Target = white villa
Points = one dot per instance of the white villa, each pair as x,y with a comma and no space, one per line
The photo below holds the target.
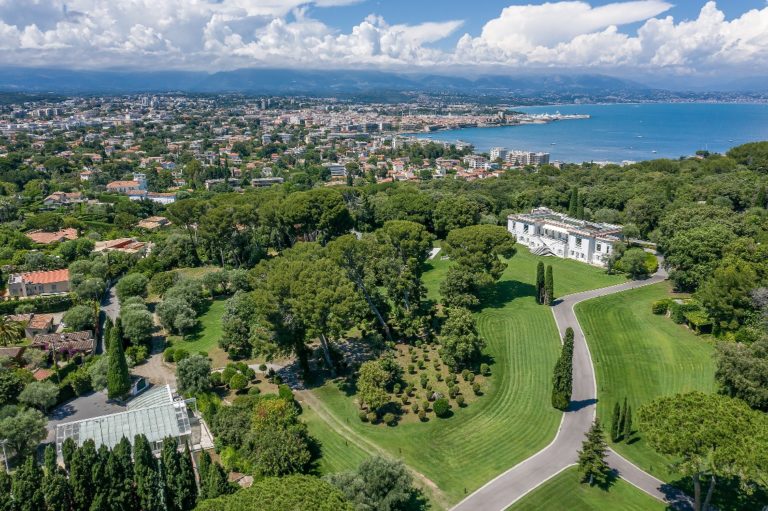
547,232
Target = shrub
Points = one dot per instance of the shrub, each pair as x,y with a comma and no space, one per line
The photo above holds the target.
441,407
238,382
422,415
425,404
423,380
262,367
460,400
436,365
285,392
485,369
404,399
137,354
362,415
390,418
227,374
464,374
470,377
372,417
660,306
677,313
421,364
396,388
414,357
180,354
439,377
415,407
476,388
169,354
454,391
408,390
216,379
254,391
411,369
250,374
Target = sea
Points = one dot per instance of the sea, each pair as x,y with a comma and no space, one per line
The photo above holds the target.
624,132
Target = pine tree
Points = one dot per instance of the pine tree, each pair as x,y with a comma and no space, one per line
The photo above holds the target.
562,380
217,484
203,466
540,283
118,382
549,287
146,475
592,463
615,422
26,488
628,423
573,203
623,420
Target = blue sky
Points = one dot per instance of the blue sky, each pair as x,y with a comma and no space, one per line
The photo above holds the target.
688,39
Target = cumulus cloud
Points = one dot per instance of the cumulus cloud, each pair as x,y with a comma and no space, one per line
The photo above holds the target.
225,34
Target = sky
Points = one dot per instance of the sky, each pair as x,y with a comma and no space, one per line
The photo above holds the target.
693,39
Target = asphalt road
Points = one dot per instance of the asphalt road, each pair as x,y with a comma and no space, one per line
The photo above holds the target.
512,485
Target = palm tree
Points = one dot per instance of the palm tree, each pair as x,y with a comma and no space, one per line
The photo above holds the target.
10,331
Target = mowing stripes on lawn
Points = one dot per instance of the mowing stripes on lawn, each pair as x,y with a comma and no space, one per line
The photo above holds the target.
641,356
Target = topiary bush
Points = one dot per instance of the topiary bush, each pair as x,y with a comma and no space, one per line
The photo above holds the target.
390,419
168,354
216,379
179,355
415,407
441,407
470,377
485,369
660,306
476,388
396,388
372,417
422,415
423,380
411,369
362,416
460,400
254,391
465,374
238,382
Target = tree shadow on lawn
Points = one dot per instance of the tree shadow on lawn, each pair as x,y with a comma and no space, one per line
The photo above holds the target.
500,294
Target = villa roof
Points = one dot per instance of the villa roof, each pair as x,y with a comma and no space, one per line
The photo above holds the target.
45,277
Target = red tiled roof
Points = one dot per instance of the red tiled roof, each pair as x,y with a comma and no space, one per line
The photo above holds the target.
46,277
45,238
123,184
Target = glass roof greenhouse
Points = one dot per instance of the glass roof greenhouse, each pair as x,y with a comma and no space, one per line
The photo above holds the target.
155,414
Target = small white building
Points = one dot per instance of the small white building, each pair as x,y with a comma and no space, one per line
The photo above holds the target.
547,232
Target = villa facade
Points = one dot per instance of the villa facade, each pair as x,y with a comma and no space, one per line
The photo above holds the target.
547,232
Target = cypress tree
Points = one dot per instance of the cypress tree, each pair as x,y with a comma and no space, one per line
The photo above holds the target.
68,449
628,423
562,380
203,466
146,475
107,332
186,485
623,420
217,484
615,422
119,470
540,283
118,382
101,479
6,482
82,461
580,208
169,467
762,198
549,287
26,488
573,203
592,463
57,491
49,460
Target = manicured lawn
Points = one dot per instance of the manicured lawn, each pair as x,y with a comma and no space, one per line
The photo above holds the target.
565,492
336,453
207,335
514,419
640,356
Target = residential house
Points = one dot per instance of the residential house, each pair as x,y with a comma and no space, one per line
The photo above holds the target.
153,223
46,238
65,343
58,199
125,245
38,283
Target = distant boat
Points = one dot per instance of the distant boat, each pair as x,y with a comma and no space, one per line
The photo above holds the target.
553,143
654,151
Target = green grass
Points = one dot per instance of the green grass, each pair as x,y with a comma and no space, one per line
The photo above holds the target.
565,492
641,356
514,419
336,453
206,336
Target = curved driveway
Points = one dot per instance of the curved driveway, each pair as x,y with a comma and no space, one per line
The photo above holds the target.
561,453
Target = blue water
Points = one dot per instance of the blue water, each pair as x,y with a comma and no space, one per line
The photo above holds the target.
625,132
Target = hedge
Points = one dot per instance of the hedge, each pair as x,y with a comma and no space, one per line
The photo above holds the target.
660,306
57,303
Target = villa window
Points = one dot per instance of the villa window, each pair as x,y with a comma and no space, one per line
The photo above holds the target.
525,228
599,247
578,242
